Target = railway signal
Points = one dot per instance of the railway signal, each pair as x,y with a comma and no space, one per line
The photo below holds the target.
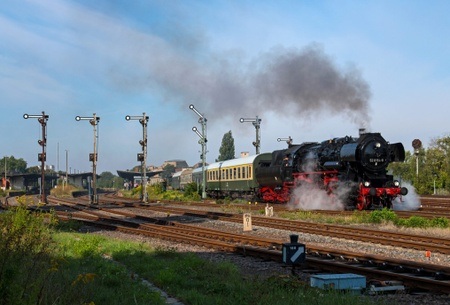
42,118
203,139
142,157
93,157
294,253
257,123
417,145
288,140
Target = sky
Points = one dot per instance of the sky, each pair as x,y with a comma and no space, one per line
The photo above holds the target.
311,70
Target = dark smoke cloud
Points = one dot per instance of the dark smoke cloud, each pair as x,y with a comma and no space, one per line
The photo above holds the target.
296,82
306,82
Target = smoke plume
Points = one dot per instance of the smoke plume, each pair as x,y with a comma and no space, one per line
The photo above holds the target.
288,82
308,82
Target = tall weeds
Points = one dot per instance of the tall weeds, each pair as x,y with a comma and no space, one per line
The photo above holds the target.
25,250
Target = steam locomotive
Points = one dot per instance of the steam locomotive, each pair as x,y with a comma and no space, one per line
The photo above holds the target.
350,172
353,171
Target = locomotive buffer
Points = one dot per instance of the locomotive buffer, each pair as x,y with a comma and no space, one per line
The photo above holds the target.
294,252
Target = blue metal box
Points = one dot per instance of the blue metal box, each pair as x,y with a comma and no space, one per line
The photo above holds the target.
348,281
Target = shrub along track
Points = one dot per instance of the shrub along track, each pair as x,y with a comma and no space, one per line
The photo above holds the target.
412,274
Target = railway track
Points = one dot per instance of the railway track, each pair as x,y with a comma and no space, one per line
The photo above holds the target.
413,241
431,207
413,274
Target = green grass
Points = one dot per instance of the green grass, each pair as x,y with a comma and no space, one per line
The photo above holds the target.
39,265
196,281
49,263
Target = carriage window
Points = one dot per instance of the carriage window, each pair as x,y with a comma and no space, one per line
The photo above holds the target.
244,172
234,173
239,173
250,172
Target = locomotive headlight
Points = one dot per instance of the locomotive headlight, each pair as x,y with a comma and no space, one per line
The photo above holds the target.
396,183
366,183
377,145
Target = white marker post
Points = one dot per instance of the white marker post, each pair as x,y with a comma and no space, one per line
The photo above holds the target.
269,211
247,221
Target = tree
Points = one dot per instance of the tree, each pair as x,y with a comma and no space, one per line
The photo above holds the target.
429,170
226,150
13,165
33,170
106,180
168,170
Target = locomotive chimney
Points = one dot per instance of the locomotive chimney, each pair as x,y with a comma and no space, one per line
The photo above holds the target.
362,131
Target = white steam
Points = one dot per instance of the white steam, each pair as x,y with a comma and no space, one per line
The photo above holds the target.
410,202
309,196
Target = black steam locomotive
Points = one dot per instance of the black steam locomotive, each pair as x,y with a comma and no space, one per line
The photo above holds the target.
353,171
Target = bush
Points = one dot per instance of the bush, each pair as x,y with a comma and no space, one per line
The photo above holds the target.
440,222
25,250
383,215
65,191
417,222
190,191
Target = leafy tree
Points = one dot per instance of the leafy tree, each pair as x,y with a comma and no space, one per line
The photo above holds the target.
13,165
33,170
429,169
106,180
227,151
168,170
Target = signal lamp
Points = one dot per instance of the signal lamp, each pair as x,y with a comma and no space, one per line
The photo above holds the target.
92,156
42,157
140,157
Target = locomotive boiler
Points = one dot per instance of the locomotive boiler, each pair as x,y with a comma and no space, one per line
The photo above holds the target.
356,165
